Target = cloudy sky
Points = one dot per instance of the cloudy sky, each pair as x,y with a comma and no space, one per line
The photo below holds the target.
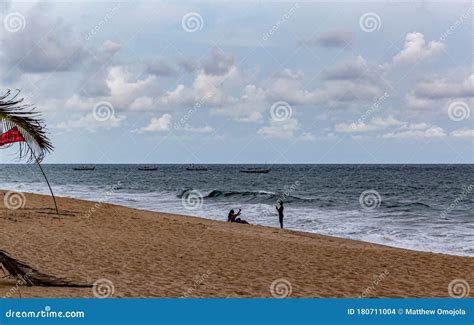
245,81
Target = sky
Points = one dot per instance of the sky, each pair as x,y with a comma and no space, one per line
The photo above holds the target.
245,81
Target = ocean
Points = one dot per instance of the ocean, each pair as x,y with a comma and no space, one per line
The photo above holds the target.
420,207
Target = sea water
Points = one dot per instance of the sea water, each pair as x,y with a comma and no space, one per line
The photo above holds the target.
421,207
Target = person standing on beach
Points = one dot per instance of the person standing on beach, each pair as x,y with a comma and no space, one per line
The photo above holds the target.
280,213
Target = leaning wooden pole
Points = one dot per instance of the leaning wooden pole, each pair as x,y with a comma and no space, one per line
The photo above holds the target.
46,178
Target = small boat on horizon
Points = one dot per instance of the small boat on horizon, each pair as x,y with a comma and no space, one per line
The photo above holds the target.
192,167
256,170
84,168
147,168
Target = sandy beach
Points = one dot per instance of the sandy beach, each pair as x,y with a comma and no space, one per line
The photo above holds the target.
149,254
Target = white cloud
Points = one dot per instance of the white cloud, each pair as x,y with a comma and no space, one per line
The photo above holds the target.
330,39
218,63
124,88
290,74
205,89
441,88
415,102
160,68
280,129
90,123
143,103
293,92
416,49
463,133
204,129
126,94
96,70
420,130
307,136
248,108
427,94
351,70
251,118
377,123
400,129
46,44
162,123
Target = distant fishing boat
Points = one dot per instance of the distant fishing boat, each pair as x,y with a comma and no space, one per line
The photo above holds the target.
84,168
256,170
196,168
148,169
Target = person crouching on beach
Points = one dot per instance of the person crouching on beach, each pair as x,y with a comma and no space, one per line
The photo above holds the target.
232,215
280,212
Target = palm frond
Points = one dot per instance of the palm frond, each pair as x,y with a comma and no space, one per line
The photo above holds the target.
32,277
13,113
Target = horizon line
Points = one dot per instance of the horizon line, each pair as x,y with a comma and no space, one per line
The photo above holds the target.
247,163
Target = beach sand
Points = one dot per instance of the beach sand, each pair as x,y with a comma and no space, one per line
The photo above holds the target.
149,254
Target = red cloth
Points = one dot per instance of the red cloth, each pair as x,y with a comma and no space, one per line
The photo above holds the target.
12,135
